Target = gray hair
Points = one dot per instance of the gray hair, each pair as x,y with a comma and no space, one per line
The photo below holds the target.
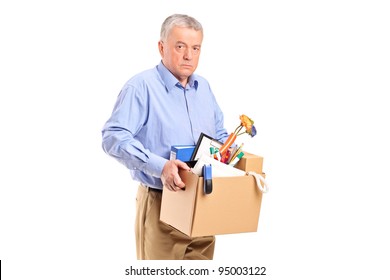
181,21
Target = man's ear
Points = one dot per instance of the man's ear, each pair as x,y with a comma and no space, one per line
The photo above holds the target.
161,47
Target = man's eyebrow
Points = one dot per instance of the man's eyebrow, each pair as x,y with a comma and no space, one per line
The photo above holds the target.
181,42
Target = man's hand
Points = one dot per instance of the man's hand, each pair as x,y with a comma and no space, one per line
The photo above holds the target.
170,175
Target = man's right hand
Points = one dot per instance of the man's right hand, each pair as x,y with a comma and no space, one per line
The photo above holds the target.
170,175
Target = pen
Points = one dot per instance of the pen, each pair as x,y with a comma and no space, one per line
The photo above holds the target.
232,153
238,151
236,159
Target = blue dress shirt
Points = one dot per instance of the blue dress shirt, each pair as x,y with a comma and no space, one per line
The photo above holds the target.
153,112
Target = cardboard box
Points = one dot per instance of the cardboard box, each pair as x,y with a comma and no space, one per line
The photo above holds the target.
232,207
250,162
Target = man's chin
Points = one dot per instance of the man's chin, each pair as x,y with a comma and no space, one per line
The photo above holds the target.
187,71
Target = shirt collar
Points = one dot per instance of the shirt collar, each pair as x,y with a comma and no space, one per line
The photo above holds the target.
170,81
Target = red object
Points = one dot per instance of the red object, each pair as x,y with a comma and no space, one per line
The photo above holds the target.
226,157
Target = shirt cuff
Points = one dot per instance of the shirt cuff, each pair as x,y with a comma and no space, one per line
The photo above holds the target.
155,165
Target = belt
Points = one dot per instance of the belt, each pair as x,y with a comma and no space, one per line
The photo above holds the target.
151,189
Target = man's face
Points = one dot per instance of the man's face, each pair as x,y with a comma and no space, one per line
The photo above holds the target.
180,52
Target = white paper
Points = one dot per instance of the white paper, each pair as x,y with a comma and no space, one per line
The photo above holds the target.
219,169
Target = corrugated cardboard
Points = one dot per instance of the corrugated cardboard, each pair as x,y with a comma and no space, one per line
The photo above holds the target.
250,162
232,207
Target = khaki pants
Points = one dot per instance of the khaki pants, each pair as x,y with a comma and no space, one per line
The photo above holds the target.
158,241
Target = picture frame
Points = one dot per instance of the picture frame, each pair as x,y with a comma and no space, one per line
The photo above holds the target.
203,146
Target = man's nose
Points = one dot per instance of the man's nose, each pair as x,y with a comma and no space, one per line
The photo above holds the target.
188,54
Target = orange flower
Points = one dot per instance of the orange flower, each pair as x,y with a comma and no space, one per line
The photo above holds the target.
247,123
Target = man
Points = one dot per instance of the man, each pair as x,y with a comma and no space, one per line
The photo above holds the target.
164,106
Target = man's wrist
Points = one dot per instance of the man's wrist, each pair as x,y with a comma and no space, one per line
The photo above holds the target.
155,165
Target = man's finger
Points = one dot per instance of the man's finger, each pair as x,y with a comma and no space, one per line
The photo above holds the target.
178,182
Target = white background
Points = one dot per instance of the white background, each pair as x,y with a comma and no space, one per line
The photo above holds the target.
313,75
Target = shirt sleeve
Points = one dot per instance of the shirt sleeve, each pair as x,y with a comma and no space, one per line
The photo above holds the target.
220,130
119,134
